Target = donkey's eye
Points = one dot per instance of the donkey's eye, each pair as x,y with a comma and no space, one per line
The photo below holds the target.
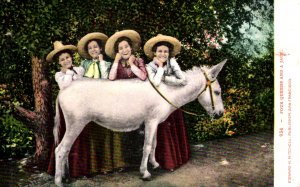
217,92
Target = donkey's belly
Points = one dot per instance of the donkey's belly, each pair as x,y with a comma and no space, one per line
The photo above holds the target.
122,125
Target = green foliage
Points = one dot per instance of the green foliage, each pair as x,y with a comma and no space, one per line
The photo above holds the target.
255,34
15,139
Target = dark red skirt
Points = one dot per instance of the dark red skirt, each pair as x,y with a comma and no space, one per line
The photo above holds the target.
173,149
78,156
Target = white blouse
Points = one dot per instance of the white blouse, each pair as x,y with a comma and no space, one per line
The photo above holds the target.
65,79
171,73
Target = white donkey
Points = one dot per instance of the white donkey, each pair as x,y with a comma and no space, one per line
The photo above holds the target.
123,105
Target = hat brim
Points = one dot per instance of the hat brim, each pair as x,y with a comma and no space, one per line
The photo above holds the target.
91,36
162,38
131,34
50,56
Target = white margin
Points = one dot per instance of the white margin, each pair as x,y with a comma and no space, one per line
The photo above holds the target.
287,93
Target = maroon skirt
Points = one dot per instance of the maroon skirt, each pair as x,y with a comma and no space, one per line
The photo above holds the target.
78,156
173,149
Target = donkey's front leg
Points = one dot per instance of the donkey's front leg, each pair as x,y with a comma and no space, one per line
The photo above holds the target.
150,131
152,159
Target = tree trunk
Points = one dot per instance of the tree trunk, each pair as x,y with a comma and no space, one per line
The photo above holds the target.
41,119
43,109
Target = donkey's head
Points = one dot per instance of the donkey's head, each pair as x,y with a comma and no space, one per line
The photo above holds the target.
210,97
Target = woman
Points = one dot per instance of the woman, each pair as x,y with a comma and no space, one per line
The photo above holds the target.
105,150
91,47
79,154
120,47
172,149
63,54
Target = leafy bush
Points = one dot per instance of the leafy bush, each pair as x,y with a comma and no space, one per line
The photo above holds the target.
15,139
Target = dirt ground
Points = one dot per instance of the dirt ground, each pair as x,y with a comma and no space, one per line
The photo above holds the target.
239,161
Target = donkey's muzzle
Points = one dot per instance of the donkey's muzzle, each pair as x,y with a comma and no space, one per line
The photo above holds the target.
218,115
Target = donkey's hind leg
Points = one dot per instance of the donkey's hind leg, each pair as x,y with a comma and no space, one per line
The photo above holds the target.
150,130
63,149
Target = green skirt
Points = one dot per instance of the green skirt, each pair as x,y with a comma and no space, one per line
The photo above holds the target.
106,150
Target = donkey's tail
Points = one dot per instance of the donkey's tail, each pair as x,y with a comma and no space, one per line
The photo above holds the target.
56,123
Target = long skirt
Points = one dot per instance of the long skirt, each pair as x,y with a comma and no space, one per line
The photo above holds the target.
173,149
95,150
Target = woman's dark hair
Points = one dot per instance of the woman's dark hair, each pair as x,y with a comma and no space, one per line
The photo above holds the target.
169,45
56,56
121,39
99,42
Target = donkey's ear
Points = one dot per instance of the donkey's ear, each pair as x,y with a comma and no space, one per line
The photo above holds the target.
215,70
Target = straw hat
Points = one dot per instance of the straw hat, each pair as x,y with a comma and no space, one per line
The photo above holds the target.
162,38
131,34
58,47
83,41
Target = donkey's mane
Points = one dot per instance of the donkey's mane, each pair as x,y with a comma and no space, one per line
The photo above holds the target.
194,72
196,69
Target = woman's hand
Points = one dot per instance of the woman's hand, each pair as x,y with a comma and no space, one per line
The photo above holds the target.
158,62
117,58
63,69
131,60
100,57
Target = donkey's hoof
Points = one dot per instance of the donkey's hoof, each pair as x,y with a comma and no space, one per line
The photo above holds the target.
156,167
146,178
58,182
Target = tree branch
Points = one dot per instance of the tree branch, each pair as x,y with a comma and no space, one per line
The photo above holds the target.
26,116
26,113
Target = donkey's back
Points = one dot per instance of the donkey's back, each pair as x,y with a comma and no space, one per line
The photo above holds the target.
120,105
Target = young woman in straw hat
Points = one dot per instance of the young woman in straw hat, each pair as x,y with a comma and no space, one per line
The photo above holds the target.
91,48
105,145
120,47
79,154
173,148
63,55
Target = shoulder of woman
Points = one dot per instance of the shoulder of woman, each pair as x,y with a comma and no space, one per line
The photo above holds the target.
85,61
58,74
107,63
78,68
173,61
152,65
